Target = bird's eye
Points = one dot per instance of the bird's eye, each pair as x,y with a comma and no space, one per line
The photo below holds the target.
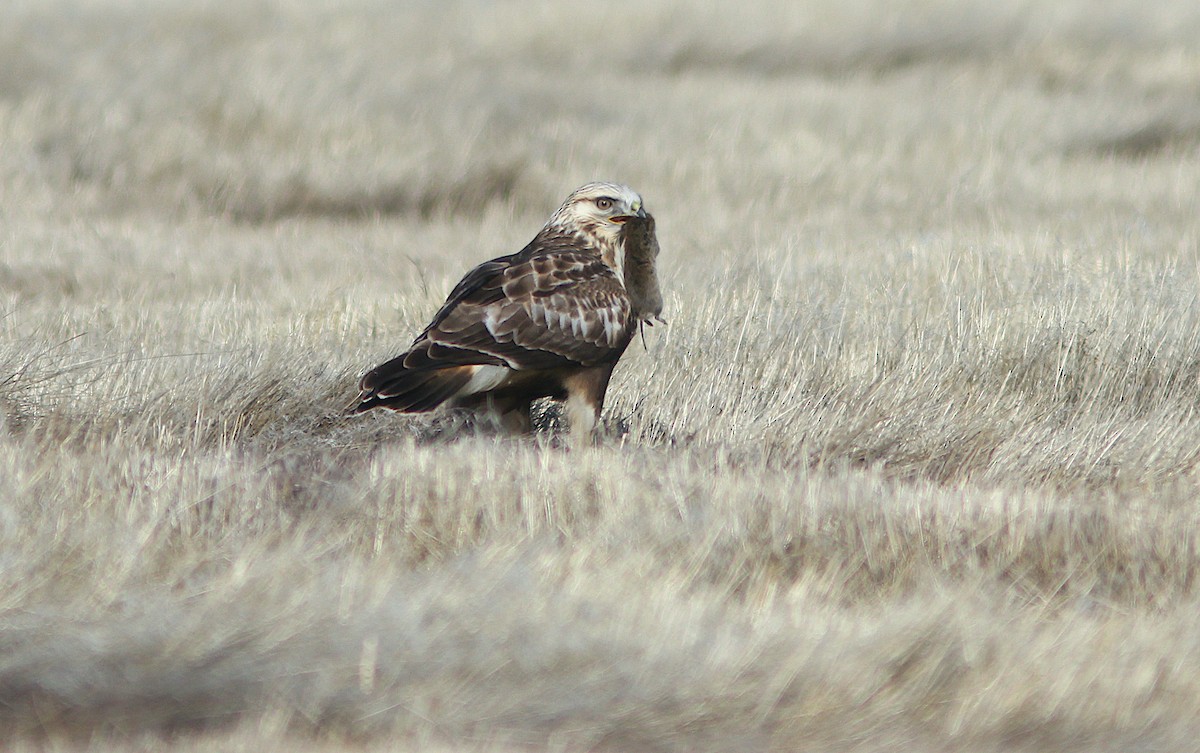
604,204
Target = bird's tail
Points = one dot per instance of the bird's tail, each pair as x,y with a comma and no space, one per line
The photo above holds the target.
394,386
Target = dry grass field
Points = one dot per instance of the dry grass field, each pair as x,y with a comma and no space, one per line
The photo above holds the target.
915,466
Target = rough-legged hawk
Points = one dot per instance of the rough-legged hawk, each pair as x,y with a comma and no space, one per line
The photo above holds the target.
549,321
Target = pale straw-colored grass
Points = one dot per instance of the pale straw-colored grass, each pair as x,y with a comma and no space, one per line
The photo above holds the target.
913,466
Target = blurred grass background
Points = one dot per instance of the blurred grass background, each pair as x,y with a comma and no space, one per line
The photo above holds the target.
912,467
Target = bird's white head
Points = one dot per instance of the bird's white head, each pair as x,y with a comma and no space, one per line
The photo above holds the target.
598,210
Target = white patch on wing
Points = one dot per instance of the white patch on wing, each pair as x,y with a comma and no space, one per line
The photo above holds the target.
606,319
491,319
484,378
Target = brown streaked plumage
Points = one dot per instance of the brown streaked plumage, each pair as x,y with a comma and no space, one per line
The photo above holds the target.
549,321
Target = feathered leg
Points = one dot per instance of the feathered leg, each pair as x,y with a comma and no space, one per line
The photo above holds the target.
585,401
508,414
513,416
517,420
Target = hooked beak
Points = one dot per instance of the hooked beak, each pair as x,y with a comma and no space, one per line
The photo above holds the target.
621,219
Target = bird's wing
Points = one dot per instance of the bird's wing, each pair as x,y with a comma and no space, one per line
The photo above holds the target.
546,311
528,311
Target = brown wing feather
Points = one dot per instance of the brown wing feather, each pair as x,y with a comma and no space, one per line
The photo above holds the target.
549,311
410,390
548,307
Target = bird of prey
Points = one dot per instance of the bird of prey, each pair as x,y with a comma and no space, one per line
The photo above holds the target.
550,321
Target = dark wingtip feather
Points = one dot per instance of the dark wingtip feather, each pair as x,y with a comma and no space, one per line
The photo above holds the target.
408,390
